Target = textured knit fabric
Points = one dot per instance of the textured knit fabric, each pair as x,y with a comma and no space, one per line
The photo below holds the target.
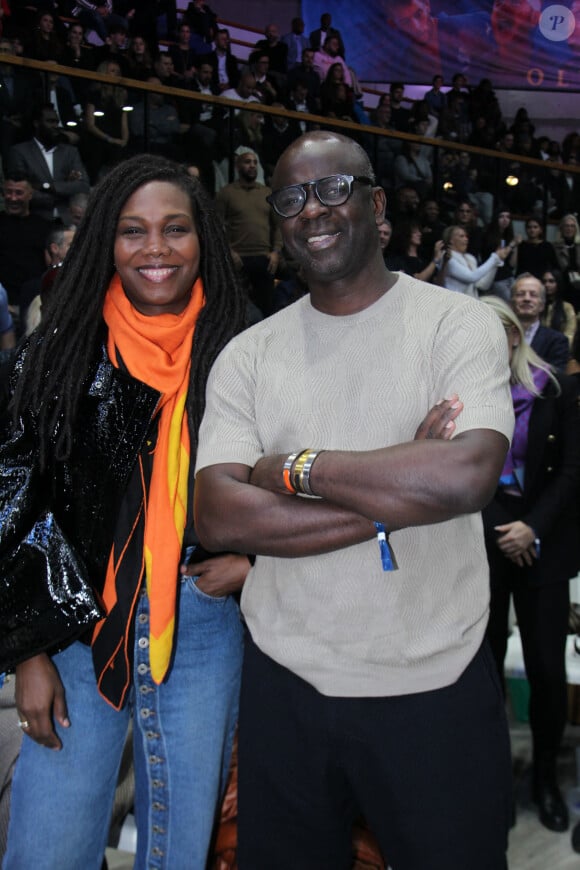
306,379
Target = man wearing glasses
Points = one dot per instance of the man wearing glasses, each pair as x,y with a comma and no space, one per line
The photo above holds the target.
366,686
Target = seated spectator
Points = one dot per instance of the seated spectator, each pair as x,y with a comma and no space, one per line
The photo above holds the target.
245,91
7,334
383,150
327,56
567,248
465,217
460,272
100,18
106,128
385,229
115,48
500,233
564,189
266,87
22,237
404,254
183,55
278,132
454,120
250,133
165,71
300,100
62,98
57,244
54,169
412,169
529,301
405,204
431,226
205,118
558,314
276,50
522,124
77,206
19,91
336,97
45,44
484,103
224,64
319,36
78,54
139,58
534,253
158,125
296,42
305,72
202,20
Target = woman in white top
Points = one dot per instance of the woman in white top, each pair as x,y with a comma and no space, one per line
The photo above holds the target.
461,272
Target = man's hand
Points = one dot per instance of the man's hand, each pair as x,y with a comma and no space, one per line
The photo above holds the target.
517,542
221,575
39,698
440,420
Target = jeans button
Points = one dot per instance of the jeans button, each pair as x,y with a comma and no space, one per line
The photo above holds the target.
142,669
143,642
145,713
143,618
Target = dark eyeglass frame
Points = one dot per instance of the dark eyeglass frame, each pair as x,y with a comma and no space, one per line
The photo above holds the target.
304,187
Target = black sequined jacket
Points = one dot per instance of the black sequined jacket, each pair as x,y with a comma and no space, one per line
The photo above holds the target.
56,527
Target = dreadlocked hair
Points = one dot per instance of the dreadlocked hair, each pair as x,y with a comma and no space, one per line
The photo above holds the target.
62,354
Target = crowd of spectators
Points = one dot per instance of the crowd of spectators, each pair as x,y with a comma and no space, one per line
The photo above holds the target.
433,194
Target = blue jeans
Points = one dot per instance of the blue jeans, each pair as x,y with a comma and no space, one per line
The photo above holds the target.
183,731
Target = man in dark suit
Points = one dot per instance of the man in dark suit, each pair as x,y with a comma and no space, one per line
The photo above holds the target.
225,66
528,302
55,170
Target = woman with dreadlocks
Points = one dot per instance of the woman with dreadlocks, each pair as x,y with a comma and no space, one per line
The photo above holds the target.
96,510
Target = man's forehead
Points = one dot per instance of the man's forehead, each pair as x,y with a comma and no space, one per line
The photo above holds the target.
315,158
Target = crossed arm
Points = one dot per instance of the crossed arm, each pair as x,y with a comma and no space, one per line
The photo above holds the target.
428,480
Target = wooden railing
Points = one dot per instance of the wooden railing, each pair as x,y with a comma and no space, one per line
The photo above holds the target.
346,127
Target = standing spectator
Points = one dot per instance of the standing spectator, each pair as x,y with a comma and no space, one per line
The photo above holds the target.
159,126
183,56
202,20
567,248
266,87
296,42
45,44
558,314
404,253
55,169
400,116
318,37
252,230
306,71
466,218
329,55
534,253
528,302
431,226
276,50
225,67
77,54
436,99
533,548
336,97
19,90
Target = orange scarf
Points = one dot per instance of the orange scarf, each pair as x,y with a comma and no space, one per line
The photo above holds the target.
157,351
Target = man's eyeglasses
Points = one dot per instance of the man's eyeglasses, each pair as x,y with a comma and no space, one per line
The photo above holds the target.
333,190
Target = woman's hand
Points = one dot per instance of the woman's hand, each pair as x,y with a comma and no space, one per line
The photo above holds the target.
40,698
439,421
220,575
504,253
517,541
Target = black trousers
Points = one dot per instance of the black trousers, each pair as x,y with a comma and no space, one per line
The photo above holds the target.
430,772
261,283
542,616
